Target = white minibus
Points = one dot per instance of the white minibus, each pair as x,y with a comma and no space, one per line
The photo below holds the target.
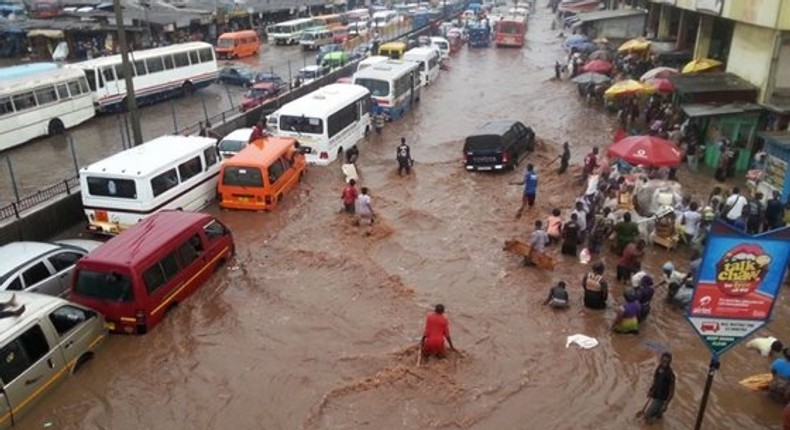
290,32
42,103
158,73
315,37
374,59
394,86
326,122
169,172
383,19
428,58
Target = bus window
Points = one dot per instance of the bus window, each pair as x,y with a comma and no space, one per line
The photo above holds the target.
193,56
46,95
24,101
181,59
5,106
206,55
211,157
74,88
91,76
63,91
154,65
139,68
190,168
163,182
119,72
168,62
108,74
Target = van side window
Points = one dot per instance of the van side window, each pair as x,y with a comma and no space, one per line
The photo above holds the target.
64,260
211,156
164,181
153,278
36,274
286,163
170,266
65,318
276,170
22,353
214,230
190,168
190,250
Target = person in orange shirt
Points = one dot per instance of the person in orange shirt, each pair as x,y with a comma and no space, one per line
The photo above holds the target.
437,328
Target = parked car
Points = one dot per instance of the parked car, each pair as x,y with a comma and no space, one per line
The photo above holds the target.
234,142
244,76
41,267
498,145
310,73
271,77
360,52
334,47
259,94
44,339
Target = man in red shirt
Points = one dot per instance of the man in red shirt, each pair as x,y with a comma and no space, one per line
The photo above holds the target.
349,196
590,163
437,328
630,260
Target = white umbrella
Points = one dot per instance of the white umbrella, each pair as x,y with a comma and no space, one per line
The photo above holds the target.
659,72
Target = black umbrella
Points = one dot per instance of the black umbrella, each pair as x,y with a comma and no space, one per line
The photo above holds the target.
601,54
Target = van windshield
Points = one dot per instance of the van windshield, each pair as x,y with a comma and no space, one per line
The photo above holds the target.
232,145
377,87
238,176
482,143
225,43
109,286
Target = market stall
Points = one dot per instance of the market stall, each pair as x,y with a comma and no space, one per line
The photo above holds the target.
775,175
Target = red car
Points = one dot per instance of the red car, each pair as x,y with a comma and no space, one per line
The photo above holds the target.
259,94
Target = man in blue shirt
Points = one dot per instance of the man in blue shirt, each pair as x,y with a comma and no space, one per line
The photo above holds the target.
530,183
781,366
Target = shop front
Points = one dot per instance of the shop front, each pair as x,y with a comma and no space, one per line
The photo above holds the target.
738,123
775,175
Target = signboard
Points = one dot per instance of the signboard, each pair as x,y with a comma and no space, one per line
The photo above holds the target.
737,284
710,6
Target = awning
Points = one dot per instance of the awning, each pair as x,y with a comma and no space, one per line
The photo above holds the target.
695,110
52,34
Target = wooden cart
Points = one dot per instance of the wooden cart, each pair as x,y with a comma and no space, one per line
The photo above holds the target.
541,260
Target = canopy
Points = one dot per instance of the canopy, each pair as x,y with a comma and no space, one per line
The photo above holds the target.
598,66
646,151
659,72
595,78
661,85
628,87
701,65
638,44
576,40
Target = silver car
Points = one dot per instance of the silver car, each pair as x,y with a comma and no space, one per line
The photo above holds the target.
41,267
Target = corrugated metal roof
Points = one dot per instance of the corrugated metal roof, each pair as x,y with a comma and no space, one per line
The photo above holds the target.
610,14
710,82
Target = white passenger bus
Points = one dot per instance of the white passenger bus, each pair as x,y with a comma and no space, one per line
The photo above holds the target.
326,122
394,86
428,59
290,32
159,73
373,59
42,103
383,19
169,172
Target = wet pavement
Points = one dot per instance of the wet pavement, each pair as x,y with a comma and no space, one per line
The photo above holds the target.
315,326
45,161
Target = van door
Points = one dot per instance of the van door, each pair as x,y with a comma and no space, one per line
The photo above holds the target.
77,329
30,365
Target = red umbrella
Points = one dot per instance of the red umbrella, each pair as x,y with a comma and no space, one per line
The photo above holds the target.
662,85
646,151
598,66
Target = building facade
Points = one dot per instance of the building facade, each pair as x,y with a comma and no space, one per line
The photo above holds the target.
751,37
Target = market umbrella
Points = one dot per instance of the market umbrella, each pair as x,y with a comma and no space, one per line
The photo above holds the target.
659,72
601,54
628,86
595,78
646,150
701,65
576,39
661,85
598,66
638,44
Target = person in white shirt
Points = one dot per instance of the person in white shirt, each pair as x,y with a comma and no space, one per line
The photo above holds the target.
363,208
691,220
766,345
733,207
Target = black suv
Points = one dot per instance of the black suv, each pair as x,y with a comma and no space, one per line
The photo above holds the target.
498,145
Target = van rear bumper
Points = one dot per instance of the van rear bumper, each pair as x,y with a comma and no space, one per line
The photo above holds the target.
472,167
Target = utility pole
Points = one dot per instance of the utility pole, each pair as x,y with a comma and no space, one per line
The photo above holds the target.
131,101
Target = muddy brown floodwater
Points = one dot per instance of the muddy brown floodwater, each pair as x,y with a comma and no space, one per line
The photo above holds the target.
315,326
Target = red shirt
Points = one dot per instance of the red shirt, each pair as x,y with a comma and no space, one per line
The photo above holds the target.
590,161
631,256
349,194
436,329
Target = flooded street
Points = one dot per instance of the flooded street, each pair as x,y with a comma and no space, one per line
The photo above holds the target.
315,326
43,162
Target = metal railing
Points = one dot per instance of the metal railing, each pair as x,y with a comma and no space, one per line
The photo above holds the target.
15,209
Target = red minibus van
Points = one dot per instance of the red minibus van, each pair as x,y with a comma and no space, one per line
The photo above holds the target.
139,275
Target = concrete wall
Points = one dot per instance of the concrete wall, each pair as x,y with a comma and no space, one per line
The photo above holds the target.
46,222
750,54
783,20
757,12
